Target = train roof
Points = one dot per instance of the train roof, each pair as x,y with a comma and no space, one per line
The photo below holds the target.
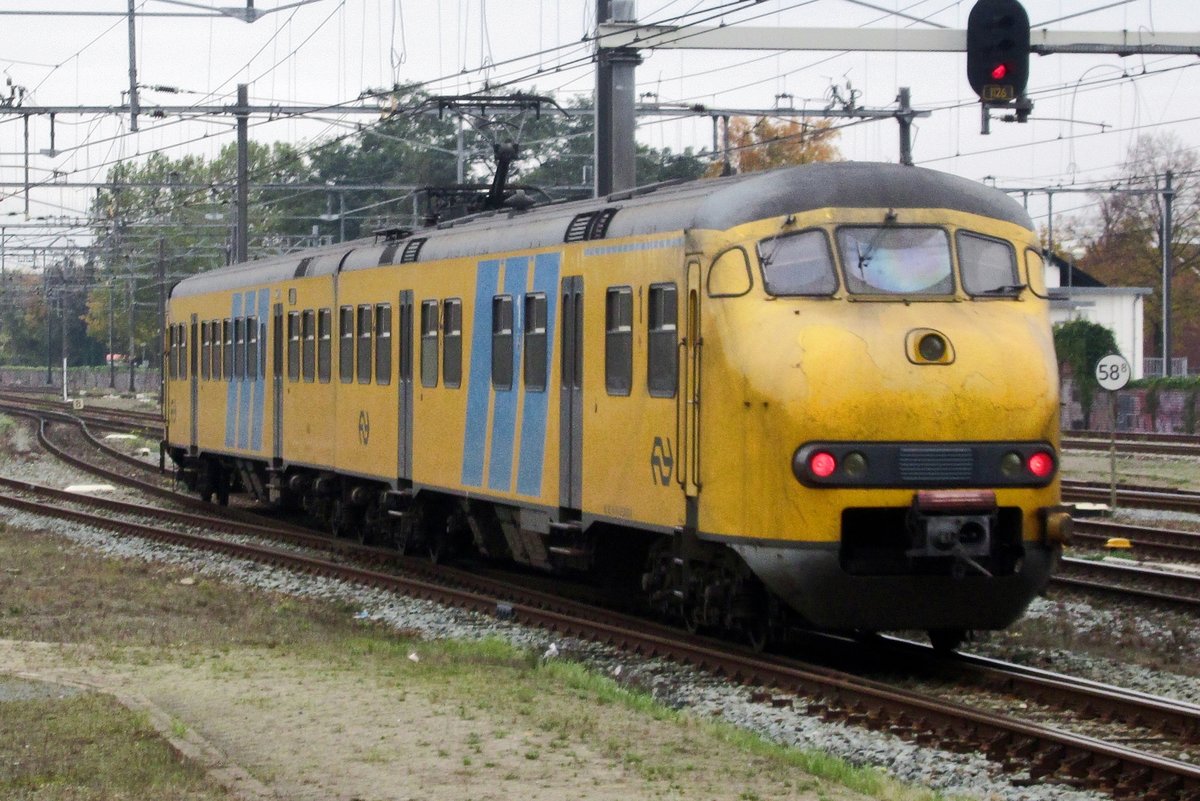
715,204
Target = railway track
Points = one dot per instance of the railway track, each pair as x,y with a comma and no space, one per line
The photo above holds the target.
1041,751
1138,497
1127,442
1130,580
147,421
1155,543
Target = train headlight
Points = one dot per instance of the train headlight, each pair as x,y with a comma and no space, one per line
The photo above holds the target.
854,465
1040,464
932,347
1011,465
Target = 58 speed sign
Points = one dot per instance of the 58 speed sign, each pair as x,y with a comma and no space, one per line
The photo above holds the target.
1112,372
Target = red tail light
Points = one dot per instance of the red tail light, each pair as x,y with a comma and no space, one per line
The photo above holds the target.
822,464
1041,464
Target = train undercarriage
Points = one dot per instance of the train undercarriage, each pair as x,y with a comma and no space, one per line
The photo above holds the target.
703,585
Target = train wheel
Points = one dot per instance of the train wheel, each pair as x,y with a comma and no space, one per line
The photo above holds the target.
947,640
758,634
338,521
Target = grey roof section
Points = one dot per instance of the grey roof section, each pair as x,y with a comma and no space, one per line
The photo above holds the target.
715,204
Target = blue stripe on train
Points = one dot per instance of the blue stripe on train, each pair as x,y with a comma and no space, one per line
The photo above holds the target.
231,397
245,388
533,413
504,409
260,383
487,277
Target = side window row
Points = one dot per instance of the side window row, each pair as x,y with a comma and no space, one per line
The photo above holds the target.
230,349
662,360
364,344
234,348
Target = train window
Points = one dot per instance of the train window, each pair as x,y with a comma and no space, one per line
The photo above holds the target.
215,327
896,260
452,343
227,351
988,266
346,344
239,352
261,327
252,348
205,350
293,346
535,342
429,343
502,342
729,275
171,362
277,342
618,340
308,345
794,265
324,344
364,345
663,359
183,362
383,344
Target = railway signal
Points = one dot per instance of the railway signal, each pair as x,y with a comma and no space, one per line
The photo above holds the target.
998,56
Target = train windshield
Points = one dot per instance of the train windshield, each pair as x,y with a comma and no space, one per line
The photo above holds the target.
797,264
989,266
895,260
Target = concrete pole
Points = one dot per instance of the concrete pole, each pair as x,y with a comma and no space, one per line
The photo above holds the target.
133,84
905,118
131,342
1167,233
243,173
615,94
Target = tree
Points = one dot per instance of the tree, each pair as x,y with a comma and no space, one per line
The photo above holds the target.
1079,345
1124,244
762,144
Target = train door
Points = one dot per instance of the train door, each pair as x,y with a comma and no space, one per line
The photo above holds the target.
570,471
277,381
688,398
193,355
405,417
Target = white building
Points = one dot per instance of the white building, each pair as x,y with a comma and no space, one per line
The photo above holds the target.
1075,295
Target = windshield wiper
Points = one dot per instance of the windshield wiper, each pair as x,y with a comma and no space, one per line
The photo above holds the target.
1003,290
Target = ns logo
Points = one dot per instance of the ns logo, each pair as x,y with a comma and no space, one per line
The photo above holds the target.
662,461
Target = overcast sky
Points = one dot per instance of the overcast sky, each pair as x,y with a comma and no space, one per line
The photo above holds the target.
329,51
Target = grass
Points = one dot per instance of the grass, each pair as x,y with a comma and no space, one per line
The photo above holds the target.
90,747
504,711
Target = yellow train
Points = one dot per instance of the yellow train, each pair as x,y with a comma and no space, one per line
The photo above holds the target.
825,394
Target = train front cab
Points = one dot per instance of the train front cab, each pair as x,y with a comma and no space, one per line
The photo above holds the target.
928,516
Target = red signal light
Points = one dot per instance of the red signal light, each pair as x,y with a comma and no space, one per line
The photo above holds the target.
822,464
999,71
1041,464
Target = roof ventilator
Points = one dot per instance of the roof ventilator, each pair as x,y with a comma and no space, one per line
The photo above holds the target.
412,250
589,225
